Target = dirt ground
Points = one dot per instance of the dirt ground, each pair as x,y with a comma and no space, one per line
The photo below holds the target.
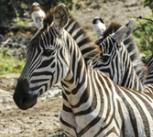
40,121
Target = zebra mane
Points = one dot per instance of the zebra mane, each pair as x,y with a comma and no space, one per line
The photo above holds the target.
88,47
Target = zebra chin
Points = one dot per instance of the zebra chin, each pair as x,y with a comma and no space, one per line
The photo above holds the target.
23,97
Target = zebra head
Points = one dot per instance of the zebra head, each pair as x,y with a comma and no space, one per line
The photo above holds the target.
112,47
115,40
46,56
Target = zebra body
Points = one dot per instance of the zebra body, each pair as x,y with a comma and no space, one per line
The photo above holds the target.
93,106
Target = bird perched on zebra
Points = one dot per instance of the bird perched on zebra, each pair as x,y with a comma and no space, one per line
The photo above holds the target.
99,26
37,15
92,104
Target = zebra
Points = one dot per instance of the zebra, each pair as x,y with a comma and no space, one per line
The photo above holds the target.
99,27
149,63
140,68
116,57
88,49
122,64
93,106
144,71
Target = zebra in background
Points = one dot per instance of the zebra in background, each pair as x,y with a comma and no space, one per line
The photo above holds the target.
89,51
116,57
122,64
149,63
140,68
93,106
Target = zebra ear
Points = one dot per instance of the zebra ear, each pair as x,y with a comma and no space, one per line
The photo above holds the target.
60,16
123,32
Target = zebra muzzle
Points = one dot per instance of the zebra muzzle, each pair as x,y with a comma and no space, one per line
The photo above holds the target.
23,98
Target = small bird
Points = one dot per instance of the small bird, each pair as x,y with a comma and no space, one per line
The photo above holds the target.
37,15
99,26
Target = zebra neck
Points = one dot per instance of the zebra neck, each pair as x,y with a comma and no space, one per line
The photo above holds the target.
82,94
87,104
129,72
76,82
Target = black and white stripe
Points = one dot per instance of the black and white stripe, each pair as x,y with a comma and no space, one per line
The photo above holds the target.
93,106
122,74
139,66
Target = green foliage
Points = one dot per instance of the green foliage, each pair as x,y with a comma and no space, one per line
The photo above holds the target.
9,64
20,22
149,3
144,36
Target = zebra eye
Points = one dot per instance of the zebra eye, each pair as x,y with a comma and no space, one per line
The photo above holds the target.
105,58
48,51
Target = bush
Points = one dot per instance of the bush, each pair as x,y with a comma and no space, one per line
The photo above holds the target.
9,64
144,36
149,3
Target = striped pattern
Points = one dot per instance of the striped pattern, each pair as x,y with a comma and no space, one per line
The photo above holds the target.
149,78
92,104
88,48
117,64
139,66
128,78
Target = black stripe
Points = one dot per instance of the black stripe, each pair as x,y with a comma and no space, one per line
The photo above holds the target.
92,123
83,99
67,109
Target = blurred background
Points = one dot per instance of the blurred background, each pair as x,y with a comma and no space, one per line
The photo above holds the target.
16,30
16,26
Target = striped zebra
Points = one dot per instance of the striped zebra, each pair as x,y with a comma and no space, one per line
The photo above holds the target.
93,106
121,63
116,57
140,68
86,46
88,49
149,63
